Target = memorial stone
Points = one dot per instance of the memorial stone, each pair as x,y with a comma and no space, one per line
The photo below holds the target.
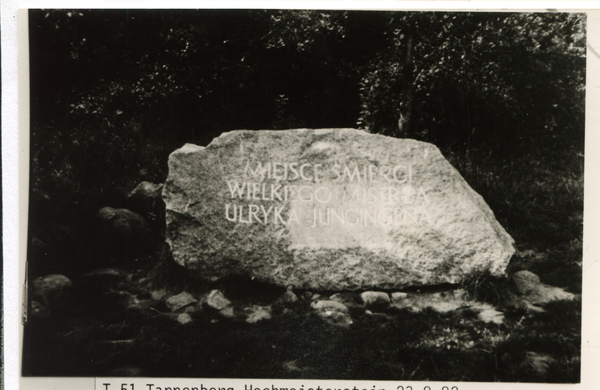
329,209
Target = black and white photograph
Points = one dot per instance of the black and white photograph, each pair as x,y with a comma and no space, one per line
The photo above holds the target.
355,195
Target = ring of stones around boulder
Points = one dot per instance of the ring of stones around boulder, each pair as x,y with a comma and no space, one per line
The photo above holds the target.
123,235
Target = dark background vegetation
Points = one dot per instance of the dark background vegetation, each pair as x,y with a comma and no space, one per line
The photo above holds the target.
114,92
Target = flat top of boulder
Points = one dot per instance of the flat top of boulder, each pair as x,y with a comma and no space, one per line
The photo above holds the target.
328,209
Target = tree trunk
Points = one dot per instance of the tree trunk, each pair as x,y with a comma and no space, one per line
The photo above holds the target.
406,99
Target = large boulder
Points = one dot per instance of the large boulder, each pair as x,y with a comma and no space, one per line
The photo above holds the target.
331,209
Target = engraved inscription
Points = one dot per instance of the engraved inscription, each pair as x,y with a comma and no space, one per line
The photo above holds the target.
285,193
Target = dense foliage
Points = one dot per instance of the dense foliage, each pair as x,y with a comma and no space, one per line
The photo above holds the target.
113,92
476,78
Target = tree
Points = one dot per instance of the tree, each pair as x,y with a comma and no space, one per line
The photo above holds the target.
478,77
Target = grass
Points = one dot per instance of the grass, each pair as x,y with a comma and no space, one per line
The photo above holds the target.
394,345
536,194
485,287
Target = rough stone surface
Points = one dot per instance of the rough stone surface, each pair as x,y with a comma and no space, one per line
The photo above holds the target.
533,290
333,312
330,209
51,290
525,281
257,313
373,299
217,300
184,318
179,301
287,298
228,312
398,296
158,294
491,315
330,306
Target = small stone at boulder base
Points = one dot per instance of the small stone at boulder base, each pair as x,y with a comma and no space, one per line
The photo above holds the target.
330,305
257,313
333,312
122,233
533,290
398,296
375,299
158,294
525,281
227,312
336,318
184,318
307,295
217,300
287,298
491,315
348,299
179,301
328,209
51,290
